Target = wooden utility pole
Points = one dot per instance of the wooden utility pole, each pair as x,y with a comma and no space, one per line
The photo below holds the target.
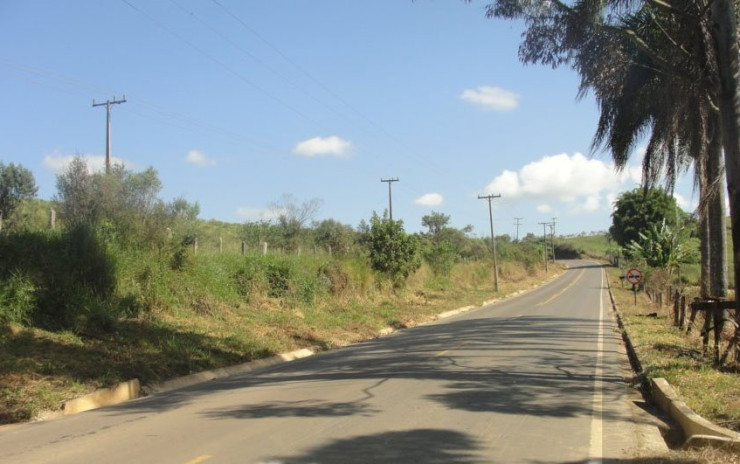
493,238
552,237
544,240
107,105
517,224
390,197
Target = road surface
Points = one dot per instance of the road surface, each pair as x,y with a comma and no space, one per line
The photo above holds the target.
536,378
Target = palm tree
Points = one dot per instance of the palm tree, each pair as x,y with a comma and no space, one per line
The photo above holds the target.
676,109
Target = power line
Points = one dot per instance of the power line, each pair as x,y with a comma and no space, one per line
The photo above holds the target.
544,240
493,238
517,224
107,105
390,197
223,65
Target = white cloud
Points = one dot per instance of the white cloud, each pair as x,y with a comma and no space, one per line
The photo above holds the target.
576,180
324,146
429,199
57,162
198,158
684,203
492,98
589,205
544,208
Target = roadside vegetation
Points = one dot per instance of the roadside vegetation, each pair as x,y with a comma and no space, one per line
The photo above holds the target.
129,286
664,349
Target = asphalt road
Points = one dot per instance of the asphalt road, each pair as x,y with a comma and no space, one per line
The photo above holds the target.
536,378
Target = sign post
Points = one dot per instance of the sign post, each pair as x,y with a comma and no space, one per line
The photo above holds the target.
634,276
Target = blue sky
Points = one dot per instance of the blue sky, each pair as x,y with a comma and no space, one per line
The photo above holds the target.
236,103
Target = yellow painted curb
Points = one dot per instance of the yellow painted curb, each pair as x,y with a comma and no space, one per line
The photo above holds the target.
106,397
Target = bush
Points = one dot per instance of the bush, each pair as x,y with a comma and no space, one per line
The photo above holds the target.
392,251
71,276
17,299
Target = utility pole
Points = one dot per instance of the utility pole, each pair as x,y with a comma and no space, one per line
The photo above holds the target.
544,240
107,105
493,238
552,237
390,196
517,224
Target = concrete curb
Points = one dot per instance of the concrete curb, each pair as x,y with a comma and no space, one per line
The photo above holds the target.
132,389
698,431
104,397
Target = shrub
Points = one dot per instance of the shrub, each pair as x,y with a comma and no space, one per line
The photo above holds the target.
17,298
392,251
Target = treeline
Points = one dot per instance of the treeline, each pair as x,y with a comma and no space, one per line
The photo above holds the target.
117,250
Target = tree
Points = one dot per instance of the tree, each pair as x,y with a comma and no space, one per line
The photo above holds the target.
392,251
677,110
123,203
557,33
334,236
638,210
292,217
16,184
435,222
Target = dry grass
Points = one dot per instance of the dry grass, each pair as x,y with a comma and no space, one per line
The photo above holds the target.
665,351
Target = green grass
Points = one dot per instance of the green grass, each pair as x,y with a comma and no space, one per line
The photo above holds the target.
595,246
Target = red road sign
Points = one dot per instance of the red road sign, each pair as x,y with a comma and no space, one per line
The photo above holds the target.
634,276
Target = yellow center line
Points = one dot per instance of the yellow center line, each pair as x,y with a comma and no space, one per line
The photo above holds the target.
563,290
444,352
200,459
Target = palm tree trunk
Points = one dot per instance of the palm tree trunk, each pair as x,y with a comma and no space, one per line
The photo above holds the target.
716,222
724,30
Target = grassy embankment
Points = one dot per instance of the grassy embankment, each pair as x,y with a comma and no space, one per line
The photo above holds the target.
213,310
665,351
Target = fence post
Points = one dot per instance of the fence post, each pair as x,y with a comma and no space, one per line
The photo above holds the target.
52,218
264,248
682,316
244,247
195,245
220,244
676,302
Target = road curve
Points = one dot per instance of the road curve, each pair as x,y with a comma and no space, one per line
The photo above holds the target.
535,378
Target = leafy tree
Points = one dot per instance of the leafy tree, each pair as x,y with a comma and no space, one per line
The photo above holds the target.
335,236
123,203
637,210
392,251
435,222
16,184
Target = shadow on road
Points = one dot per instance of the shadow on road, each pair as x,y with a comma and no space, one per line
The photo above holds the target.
505,366
430,446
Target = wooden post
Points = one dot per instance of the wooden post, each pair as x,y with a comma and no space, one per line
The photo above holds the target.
195,245
220,244
244,247
676,302
52,219
264,248
682,315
